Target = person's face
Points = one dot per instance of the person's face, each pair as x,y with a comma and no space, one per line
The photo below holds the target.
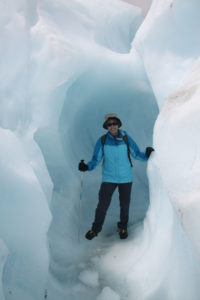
112,126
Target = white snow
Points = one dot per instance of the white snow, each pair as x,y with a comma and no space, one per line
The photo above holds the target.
89,278
64,65
107,294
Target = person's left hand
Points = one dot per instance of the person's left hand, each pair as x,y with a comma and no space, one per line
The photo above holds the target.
82,166
148,151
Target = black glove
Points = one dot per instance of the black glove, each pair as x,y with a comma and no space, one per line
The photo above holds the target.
82,166
148,151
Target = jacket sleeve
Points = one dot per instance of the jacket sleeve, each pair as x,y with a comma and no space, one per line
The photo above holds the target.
97,156
135,151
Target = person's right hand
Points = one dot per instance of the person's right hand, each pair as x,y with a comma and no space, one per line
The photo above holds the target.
148,151
82,166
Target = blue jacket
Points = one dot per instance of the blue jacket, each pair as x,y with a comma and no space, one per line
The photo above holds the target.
116,165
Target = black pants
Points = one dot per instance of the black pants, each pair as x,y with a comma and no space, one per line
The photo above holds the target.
105,194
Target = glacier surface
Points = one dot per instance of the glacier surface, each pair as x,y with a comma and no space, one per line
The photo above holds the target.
64,65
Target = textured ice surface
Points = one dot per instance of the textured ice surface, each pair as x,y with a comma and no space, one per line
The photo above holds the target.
65,65
25,219
89,278
107,294
166,36
180,115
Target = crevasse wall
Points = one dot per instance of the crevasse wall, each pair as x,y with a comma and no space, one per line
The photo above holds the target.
180,115
175,131
25,185
66,65
102,79
175,84
47,48
87,93
166,36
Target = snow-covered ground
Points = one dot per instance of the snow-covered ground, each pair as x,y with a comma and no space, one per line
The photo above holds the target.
64,65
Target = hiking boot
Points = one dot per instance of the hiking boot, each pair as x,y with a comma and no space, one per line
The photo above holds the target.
90,234
123,233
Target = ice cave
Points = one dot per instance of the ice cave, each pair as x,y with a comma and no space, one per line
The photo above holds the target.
64,65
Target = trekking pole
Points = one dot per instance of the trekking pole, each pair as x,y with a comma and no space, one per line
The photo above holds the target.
80,205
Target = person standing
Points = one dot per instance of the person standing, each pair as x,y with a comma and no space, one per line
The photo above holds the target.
115,148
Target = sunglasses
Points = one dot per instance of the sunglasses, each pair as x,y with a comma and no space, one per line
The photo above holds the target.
113,123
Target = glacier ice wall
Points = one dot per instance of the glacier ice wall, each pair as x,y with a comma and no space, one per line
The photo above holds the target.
65,65
176,77
25,217
166,35
50,49
180,115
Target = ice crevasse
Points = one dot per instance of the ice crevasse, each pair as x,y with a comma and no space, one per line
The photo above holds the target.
64,65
